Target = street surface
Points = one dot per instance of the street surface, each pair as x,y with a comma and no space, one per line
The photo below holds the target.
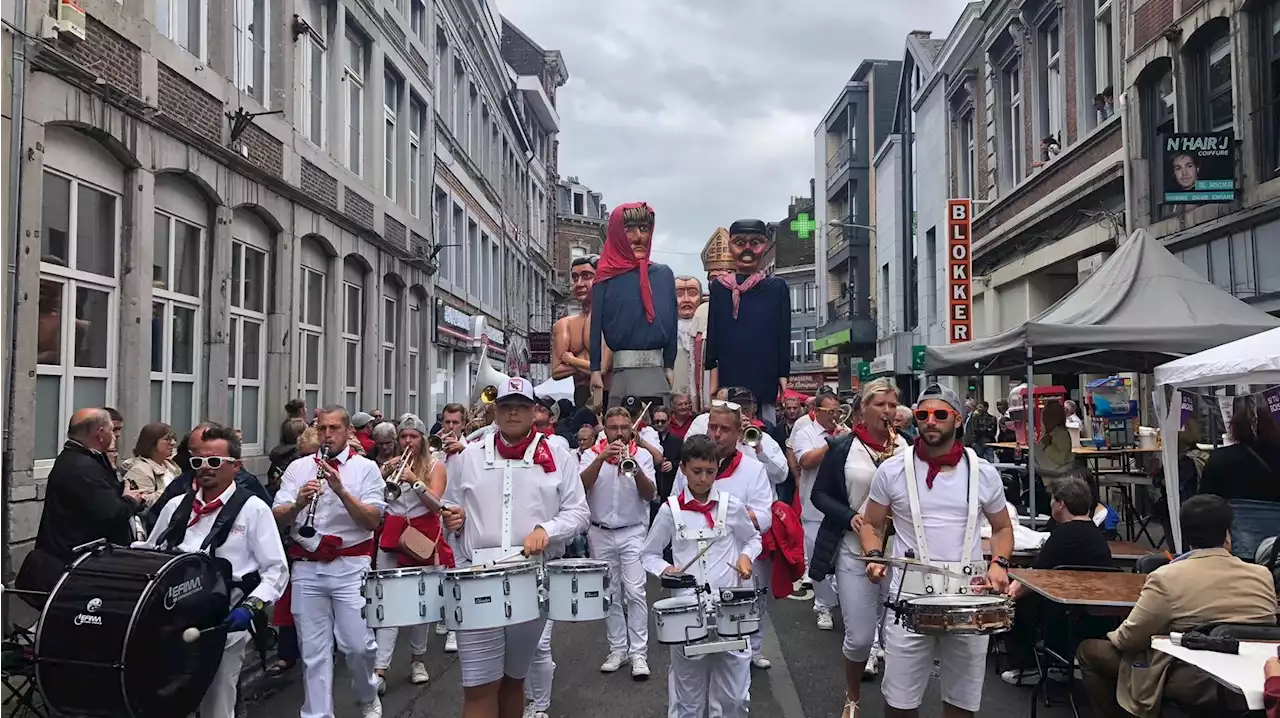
805,681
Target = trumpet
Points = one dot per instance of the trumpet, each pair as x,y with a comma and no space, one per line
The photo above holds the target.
308,529
394,490
628,467
751,436
435,443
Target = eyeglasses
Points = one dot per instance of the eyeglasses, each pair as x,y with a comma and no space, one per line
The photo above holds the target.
213,462
730,405
937,414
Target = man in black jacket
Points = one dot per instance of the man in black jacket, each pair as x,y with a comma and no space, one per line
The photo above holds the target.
666,470
183,482
84,502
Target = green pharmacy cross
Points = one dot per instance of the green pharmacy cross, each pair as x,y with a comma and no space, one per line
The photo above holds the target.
803,226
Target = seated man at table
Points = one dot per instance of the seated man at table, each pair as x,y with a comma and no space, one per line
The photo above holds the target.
1075,541
1205,585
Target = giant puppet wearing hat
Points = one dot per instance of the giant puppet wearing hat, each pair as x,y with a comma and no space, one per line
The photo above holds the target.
692,378
749,321
633,311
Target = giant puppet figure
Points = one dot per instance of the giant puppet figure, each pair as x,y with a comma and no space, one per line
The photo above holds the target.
692,378
633,311
749,322
571,335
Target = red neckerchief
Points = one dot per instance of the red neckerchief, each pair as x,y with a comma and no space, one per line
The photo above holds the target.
515,452
603,444
199,510
861,431
678,429
951,458
729,465
617,259
730,282
688,504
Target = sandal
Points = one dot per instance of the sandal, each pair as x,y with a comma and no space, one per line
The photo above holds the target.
850,708
279,668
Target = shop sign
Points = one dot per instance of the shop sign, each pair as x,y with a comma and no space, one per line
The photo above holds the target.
453,322
493,337
807,383
882,365
917,357
1199,168
959,270
540,347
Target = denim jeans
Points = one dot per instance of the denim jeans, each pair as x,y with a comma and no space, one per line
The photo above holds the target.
1253,522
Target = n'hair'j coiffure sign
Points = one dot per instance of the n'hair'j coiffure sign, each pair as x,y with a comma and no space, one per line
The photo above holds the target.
1199,168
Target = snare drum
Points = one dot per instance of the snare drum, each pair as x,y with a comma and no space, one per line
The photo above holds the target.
958,615
577,590
679,620
738,612
407,596
497,596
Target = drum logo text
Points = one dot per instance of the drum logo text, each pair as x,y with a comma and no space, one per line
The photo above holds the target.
182,591
83,619
592,594
483,599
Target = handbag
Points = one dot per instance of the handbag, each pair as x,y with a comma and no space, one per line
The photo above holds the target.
417,546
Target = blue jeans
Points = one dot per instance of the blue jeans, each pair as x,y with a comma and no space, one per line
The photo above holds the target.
1253,521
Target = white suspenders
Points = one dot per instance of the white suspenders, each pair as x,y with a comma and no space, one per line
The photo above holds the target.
915,582
704,535
492,461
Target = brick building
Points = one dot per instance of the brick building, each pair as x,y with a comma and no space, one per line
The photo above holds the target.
792,259
581,216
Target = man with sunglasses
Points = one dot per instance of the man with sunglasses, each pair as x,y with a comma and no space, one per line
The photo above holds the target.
749,322
231,523
186,482
938,493
571,335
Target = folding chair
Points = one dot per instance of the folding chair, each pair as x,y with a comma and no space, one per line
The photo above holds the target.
1047,657
22,697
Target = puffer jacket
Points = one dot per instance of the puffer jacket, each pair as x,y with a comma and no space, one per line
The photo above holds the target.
830,496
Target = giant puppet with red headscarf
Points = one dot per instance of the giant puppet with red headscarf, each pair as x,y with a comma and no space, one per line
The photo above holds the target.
633,311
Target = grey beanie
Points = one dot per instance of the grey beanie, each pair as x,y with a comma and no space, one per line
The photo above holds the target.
943,394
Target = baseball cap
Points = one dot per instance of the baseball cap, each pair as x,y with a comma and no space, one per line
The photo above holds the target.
361,419
515,389
740,395
943,394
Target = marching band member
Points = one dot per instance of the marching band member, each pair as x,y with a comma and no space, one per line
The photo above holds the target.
548,508
344,499
840,493
619,517
542,424
740,475
938,493
717,684
768,451
809,442
410,510
231,523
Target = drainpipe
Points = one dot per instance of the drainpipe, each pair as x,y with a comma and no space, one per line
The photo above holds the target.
14,201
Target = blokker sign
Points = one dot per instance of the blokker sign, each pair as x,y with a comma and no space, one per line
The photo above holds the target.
959,270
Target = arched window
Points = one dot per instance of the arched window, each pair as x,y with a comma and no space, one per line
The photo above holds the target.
179,231
1209,58
247,364
390,345
413,339
352,329
313,284
1155,85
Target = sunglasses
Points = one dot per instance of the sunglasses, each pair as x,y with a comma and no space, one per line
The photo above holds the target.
730,405
213,462
937,414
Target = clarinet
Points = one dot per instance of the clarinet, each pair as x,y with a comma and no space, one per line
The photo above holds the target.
308,529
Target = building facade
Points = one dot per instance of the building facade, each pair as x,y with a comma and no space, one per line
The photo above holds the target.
581,217
791,258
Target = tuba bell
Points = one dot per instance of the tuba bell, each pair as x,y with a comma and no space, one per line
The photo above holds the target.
751,436
488,380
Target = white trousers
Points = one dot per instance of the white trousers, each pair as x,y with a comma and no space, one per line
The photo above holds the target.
628,621
762,573
537,686
326,608
908,661
220,700
387,637
824,594
717,685
861,605
489,654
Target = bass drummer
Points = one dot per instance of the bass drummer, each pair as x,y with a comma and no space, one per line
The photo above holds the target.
938,493
547,509
230,523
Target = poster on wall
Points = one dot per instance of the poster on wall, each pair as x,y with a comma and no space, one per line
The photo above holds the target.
1199,168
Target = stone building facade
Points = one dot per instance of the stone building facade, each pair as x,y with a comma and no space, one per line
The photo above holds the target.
581,216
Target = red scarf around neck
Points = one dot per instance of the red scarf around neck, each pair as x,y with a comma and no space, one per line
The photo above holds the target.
688,503
603,444
515,452
617,258
938,463
200,509
730,282
863,433
729,465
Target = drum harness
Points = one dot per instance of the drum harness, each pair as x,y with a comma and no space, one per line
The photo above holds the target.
492,461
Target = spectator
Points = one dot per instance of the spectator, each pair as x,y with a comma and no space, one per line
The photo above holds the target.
905,424
284,454
360,422
386,445
296,409
1054,456
117,430
1247,475
153,467
980,430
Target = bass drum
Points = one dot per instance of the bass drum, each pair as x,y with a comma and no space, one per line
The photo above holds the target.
109,641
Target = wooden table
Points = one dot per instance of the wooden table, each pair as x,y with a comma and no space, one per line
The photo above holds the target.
1126,552
1106,589
1241,673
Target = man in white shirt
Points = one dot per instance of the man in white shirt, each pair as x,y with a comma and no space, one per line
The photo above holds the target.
767,452
619,517
809,444
343,499
246,537
938,493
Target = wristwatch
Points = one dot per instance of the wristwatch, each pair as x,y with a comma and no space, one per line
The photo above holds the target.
1001,561
874,554
255,604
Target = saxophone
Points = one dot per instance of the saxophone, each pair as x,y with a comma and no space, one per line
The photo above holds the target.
890,446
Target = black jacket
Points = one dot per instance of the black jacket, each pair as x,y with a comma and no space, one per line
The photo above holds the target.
671,447
830,496
787,489
182,484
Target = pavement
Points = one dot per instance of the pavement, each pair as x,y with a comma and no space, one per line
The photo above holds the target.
806,679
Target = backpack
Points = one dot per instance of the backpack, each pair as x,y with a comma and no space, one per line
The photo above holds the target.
177,531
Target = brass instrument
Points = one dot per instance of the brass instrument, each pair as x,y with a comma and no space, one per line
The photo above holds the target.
308,529
488,379
435,443
890,446
751,436
628,467
394,489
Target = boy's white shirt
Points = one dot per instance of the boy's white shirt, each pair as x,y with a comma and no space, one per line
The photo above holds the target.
741,539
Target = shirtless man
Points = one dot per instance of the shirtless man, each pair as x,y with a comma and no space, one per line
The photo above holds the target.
571,348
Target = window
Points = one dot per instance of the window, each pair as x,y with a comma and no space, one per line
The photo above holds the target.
77,324
391,103
1269,99
1197,258
186,22
1268,262
353,72
474,259
930,262
809,356
968,175
313,68
486,270
797,299
247,346
415,354
459,102
390,323
441,382
1244,284
1158,110
1218,113
579,203
1013,137
418,20
352,327
459,253
1220,263
811,296
175,321
1053,95
415,157
797,343
443,81
440,223
251,29
311,317
1104,46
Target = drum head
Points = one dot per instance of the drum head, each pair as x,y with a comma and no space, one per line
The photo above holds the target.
675,602
570,565
958,600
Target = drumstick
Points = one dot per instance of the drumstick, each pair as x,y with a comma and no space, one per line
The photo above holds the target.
191,635
512,557
701,553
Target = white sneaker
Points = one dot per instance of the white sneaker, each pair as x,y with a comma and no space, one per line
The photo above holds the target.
613,662
418,673
873,666
382,684
761,662
440,628
531,712
824,620
639,668
451,643
1021,676
371,710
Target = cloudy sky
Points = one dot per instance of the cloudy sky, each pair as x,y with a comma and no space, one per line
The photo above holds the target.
706,108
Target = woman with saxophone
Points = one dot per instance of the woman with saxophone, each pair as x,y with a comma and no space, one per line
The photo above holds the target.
411,534
840,493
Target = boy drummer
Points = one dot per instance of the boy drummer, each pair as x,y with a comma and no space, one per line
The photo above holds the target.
716,684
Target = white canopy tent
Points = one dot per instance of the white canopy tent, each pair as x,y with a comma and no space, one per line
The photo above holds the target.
1251,360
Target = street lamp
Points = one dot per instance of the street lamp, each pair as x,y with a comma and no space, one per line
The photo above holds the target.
837,223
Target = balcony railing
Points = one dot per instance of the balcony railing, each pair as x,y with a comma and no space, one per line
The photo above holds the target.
840,160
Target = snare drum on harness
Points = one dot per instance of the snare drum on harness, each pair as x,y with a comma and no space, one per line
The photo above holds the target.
577,590
407,596
957,615
492,596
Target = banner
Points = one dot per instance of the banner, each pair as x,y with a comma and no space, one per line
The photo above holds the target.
959,270
1271,399
1188,407
1199,168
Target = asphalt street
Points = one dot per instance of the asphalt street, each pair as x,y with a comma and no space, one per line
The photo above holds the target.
804,682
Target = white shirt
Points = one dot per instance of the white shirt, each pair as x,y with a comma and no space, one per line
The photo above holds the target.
859,470
646,433
748,483
362,479
769,453
806,437
614,499
253,544
410,505
557,440
743,539
944,508
555,501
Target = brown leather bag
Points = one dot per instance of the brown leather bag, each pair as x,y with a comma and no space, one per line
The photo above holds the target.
415,544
